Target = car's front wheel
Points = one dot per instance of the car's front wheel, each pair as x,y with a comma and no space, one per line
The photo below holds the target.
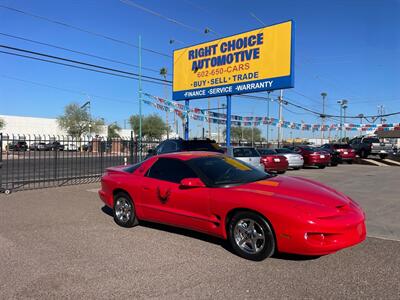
251,236
124,210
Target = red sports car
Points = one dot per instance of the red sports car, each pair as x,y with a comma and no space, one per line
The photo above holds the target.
272,161
221,196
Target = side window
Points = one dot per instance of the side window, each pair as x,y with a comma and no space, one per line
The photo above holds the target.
172,170
169,146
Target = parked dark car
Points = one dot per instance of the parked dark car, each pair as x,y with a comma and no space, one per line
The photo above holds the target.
313,156
54,146
344,151
370,145
179,145
17,146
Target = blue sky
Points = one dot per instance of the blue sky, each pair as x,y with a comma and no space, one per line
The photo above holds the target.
347,48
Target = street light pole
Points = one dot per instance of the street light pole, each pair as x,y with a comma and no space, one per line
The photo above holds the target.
140,98
268,100
280,100
344,119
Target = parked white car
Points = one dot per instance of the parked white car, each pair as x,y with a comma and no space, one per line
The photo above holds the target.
70,147
295,160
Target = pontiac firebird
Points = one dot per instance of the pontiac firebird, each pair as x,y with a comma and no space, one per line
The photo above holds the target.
257,213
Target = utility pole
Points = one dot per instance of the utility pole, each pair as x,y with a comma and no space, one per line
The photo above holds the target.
280,100
343,106
323,94
381,112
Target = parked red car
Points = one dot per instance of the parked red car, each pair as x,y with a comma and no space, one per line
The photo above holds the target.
272,161
345,152
313,156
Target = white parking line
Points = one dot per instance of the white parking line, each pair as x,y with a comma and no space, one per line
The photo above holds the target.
93,190
392,161
383,238
377,163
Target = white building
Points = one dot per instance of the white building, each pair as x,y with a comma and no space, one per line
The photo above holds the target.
34,127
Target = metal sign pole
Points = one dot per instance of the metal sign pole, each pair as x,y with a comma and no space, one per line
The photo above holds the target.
228,120
187,120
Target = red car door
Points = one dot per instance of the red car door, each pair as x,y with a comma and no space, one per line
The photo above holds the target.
164,200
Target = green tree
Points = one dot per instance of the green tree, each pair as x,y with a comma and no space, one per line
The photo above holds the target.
112,130
244,134
2,124
153,127
77,121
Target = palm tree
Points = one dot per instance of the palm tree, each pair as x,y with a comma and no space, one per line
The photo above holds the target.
2,123
112,130
163,73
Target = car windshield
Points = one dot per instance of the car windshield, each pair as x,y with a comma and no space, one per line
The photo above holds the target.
311,149
224,170
245,152
341,146
284,150
266,151
201,146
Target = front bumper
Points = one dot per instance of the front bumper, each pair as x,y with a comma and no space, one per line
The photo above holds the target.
323,237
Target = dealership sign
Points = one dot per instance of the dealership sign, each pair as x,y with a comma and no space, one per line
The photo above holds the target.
254,61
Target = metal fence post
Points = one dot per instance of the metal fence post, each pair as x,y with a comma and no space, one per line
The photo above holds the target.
131,159
1,161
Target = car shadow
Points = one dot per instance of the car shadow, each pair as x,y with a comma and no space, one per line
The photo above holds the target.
177,230
208,238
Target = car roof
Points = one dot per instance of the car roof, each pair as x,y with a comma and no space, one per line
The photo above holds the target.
187,155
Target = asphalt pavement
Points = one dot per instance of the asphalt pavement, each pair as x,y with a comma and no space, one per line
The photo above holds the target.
62,243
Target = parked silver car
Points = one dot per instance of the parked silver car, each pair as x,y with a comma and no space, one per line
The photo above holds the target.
295,160
248,155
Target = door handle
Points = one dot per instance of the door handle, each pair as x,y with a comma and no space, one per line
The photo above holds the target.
146,188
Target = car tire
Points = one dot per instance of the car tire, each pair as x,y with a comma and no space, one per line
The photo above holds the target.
124,212
281,172
383,156
334,164
296,168
321,167
251,236
349,162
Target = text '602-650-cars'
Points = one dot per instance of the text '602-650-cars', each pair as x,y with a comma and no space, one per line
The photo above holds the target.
257,213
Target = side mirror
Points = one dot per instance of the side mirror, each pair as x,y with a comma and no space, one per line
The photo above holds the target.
188,183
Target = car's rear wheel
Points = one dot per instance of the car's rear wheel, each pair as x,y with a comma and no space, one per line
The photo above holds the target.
124,210
251,236
349,162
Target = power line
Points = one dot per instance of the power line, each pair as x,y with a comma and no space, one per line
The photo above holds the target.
67,90
83,30
77,67
82,63
159,15
315,112
77,52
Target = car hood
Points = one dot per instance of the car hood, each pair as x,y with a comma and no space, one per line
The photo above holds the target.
298,192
